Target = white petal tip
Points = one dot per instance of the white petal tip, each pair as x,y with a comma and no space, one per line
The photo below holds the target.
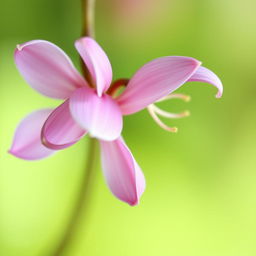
218,95
19,47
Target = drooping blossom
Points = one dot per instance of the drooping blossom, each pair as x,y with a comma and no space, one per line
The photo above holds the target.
94,107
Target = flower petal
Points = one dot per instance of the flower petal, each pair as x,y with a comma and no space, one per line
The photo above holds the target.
205,75
27,140
97,63
47,69
123,175
60,129
155,80
101,116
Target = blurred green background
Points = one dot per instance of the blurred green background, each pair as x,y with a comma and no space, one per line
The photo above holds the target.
201,182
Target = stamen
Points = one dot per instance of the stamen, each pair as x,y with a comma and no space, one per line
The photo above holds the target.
154,111
186,98
168,114
158,121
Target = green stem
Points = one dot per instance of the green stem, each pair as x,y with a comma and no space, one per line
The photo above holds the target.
82,202
88,9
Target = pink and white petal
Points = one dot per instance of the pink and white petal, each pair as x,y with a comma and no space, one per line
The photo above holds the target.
205,75
122,173
97,63
27,139
100,116
60,129
155,80
47,69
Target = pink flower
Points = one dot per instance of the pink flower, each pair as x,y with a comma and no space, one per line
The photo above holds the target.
91,108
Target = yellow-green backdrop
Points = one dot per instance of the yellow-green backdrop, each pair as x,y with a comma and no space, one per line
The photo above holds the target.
201,182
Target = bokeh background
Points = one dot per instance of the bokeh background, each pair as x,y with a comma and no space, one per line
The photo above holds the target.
201,182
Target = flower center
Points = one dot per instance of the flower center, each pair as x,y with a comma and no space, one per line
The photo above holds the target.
114,89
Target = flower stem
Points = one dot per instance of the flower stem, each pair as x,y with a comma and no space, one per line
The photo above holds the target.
88,9
82,202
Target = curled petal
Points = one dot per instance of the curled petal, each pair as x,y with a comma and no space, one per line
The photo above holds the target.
100,116
205,75
60,129
155,80
97,63
122,173
27,140
47,69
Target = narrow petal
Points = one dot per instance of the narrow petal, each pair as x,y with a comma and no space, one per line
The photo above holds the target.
27,139
122,173
47,69
205,75
100,116
60,129
97,63
155,80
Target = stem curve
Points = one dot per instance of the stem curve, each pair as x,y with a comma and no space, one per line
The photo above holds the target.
81,204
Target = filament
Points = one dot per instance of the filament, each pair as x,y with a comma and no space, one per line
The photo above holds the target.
166,114
155,111
158,120
186,98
